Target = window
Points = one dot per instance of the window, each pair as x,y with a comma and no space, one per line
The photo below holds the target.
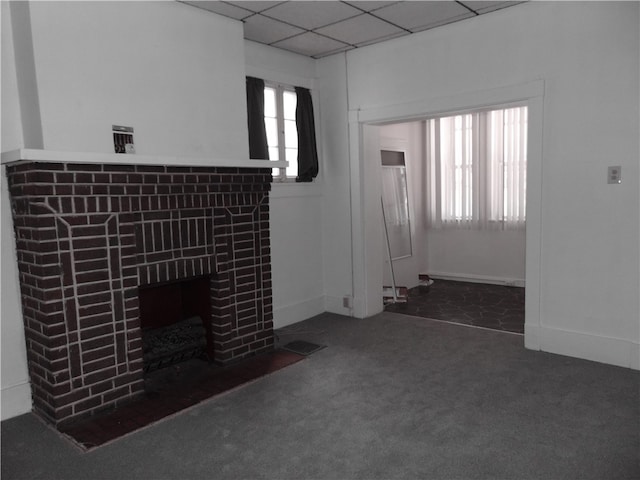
477,167
280,124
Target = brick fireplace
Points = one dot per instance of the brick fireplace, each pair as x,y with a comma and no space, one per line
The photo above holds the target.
91,235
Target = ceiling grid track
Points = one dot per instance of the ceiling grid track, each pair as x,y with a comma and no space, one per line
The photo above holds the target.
321,28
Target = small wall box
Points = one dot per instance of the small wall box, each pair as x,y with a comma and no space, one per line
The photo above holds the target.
123,139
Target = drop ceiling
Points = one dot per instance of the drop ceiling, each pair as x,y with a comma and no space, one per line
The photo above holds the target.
320,28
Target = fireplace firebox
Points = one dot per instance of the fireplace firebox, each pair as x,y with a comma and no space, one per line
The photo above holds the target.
94,239
173,319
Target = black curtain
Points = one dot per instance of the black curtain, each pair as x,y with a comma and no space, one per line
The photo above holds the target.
307,152
258,147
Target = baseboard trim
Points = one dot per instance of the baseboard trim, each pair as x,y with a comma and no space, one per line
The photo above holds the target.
634,356
335,305
16,400
296,312
470,277
597,348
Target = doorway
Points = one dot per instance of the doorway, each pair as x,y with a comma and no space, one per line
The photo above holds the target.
478,264
367,227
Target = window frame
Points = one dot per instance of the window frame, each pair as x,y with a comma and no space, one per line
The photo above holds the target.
280,174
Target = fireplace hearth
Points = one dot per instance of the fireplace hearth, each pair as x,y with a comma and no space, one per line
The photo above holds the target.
92,238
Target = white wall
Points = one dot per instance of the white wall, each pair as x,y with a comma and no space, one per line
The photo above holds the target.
296,253
173,73
296,208
12,137
489,256
16,391
586,55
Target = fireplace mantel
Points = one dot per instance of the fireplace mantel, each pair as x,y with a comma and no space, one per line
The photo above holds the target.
35,155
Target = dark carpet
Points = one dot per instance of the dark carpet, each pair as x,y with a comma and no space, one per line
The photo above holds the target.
302,347
391,397
482,305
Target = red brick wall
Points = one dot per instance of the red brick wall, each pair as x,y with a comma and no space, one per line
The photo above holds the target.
89,235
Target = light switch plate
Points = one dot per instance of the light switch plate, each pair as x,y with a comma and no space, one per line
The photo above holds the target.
614,175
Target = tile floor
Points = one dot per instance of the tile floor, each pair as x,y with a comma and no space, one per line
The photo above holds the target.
170,390
482,305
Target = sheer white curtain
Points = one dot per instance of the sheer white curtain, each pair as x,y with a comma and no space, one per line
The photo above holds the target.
476,169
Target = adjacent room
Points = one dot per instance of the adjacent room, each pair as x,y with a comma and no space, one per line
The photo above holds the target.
454,197
305,239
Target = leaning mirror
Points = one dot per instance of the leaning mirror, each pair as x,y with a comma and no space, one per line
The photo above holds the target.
395,202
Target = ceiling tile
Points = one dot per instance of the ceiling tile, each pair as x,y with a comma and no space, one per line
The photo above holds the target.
341,25
369,6
442,22
311,44
360,30
332,52
417,15
256,6
266,30
310,14
384,39
222,8
486,7
479,4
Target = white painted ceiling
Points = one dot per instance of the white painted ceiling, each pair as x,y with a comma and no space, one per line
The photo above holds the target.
320,28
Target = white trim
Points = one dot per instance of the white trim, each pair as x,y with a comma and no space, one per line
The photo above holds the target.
296,312
634,356
470,277
531,92
33,155
597,348
533,234
16,400
358,269
462,102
